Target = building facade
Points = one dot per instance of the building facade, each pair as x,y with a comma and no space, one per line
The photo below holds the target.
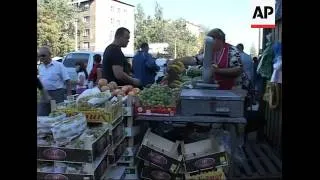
101,19
194,29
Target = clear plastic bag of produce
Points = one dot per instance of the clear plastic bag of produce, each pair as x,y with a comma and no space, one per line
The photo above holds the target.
93,100
97,101
43,131
68,129
88,92
223,138
48,121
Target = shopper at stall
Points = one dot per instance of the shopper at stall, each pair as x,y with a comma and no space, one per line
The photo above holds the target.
114,66
53,76
144,67
246,62
97,66
82,81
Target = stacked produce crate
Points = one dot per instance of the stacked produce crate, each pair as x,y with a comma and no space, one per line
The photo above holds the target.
81,158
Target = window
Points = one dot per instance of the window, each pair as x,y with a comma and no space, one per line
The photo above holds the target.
111,20
86,32
111,8
86,45
86,19
85,6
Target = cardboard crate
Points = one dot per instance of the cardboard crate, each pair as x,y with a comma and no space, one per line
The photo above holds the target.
152,173
128,158
108,114
99,167
203,155
160,152
75,155
211,174
117,132
117,152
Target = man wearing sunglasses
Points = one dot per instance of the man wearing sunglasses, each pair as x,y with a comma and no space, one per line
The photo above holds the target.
53,76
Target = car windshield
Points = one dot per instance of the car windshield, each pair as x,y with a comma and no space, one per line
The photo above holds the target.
71,59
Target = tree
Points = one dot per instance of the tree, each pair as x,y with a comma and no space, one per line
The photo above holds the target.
55,22
140,27
158,30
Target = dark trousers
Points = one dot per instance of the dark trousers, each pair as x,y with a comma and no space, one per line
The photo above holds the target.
44,108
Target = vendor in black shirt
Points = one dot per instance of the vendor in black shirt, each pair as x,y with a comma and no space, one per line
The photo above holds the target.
114,66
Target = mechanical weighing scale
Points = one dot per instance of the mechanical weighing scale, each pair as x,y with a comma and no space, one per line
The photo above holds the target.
205,99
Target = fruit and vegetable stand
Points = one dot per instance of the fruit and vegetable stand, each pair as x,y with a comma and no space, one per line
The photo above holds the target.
178,118
89,135
168,105
107,133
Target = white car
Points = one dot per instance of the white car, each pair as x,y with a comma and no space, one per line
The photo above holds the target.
85,56
70,62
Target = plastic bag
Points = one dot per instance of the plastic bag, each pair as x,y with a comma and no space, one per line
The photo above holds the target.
277,64
43,131
47,121
97,101
66,130
88,92
265,65
223,138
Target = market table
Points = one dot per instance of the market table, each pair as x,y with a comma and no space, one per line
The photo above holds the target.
231,122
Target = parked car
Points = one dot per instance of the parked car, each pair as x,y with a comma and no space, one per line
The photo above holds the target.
84,56
60,59
71,58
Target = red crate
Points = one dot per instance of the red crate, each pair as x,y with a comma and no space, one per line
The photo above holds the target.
155,111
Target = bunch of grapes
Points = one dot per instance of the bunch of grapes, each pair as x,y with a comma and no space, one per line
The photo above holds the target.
158,95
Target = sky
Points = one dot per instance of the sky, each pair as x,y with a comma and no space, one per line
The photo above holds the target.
231,16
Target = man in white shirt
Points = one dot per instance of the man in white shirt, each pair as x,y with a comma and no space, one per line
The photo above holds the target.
53,76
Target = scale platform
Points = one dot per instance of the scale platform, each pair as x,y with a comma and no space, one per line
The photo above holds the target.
200,84
211,102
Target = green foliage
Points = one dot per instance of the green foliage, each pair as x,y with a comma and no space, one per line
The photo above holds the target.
158,30
55,22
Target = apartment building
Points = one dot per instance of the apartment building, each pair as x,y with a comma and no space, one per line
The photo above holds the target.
101,19
194,28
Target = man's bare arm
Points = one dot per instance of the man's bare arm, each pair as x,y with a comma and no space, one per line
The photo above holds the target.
121,75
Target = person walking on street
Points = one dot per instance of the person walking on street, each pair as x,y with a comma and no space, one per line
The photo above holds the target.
114,65
53,76
144,67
